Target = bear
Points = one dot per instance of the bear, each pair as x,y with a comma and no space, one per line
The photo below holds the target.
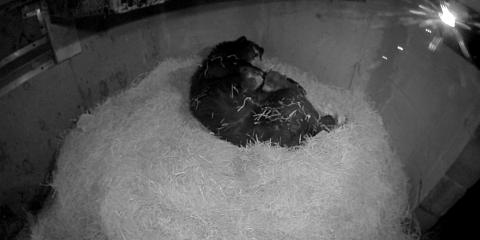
285,116
226,105
224,60
240,103
281,86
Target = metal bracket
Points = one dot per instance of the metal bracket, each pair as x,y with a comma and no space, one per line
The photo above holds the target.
21,52
63,38
27,71
55,44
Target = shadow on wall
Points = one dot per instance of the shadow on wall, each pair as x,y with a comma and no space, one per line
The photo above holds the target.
15,216
457,222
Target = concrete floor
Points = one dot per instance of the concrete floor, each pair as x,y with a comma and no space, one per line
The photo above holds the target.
429,101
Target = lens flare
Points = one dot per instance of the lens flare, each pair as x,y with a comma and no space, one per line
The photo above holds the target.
446,16
442,19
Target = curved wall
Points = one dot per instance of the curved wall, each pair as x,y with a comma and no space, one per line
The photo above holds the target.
429,100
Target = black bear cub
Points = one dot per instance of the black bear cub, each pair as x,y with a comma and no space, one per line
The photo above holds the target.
241,103
285,115
224,60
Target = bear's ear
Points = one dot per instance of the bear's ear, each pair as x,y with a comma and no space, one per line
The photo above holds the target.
242,39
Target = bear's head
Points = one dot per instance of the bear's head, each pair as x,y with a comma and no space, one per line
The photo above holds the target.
242,49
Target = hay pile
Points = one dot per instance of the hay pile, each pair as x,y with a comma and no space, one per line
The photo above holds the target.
141,167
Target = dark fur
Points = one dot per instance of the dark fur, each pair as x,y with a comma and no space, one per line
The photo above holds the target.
230,97
292,118
224,60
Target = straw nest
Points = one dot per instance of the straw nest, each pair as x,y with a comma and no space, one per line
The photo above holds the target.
141,167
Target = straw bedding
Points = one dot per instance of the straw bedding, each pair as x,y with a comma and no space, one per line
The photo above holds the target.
141,167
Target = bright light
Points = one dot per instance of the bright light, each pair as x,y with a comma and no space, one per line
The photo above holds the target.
446,16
